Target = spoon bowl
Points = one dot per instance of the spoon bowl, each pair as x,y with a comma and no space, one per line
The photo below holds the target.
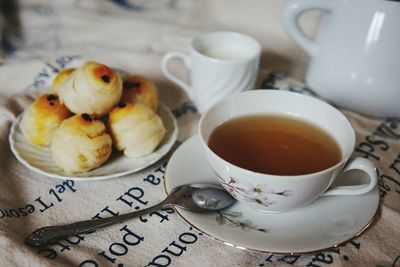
201,197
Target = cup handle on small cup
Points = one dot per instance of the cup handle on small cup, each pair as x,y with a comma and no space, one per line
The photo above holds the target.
291,14
164,67
356,164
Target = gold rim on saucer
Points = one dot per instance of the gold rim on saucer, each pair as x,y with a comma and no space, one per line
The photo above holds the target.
374,219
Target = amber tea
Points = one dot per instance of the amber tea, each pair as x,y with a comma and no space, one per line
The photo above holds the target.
278,145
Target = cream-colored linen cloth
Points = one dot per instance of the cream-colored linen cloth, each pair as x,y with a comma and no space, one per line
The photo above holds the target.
134,38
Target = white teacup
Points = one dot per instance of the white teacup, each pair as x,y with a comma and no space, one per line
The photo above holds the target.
220,64
278,193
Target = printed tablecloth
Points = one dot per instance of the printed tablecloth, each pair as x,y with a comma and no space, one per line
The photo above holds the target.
133,36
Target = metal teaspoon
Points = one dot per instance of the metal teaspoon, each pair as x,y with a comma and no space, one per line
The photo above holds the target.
193,197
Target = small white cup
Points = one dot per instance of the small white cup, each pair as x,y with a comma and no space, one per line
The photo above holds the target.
279,193
220,64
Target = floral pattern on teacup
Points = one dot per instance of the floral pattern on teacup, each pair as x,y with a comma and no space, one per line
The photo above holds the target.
235,219
253,193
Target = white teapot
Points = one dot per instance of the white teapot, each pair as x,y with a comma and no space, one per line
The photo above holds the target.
355,57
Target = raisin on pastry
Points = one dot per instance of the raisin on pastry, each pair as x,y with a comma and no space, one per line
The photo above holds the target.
139,89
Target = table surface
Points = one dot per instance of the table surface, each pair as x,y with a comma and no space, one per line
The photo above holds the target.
133,36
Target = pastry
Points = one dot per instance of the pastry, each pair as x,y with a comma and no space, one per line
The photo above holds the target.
135,128
59,80
93,88
139,89
80,144
42,118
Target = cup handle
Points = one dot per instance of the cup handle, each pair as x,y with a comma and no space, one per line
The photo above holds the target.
164,67
356,164
291,14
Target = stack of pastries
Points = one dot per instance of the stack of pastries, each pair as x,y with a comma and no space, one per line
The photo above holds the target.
91,109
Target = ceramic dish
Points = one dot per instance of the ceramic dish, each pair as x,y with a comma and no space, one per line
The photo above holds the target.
39,159
327,222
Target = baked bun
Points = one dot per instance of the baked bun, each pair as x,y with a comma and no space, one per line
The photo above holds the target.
139,89
93,88
135,128
60,79
42,118
80,144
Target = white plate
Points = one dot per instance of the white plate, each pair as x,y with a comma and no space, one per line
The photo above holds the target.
327,222
39,159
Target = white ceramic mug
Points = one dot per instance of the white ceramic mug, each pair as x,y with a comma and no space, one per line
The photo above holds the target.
220,64
354,57
278,193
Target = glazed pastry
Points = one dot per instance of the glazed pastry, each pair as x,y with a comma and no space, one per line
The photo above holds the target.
80,144
135,128
93,88
42,118
138,89
60,79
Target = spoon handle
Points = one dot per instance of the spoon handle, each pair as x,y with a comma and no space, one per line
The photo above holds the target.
46,235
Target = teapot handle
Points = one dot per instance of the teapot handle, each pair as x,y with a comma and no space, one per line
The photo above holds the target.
291,14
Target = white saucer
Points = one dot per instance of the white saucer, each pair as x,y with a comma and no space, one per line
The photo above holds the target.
327,222
39,159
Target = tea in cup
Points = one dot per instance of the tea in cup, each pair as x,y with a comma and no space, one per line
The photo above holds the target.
220,64
276,151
